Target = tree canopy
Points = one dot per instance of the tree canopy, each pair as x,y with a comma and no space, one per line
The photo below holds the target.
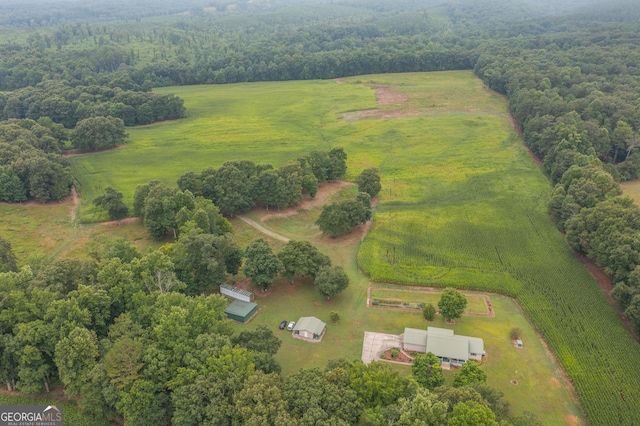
451,304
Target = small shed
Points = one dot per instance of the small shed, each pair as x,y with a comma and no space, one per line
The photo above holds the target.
236,293
309,328
241,311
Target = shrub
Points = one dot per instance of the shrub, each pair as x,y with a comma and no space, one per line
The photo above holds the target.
394,353
515,333
429,312
335,317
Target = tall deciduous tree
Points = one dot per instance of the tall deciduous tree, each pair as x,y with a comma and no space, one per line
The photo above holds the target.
96,133
112,202
469,373
75,357
261,264
369,181
427,371
472,413
331,281
302,258
451,304
7,257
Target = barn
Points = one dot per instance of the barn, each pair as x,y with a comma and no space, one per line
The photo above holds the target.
309,328
241,311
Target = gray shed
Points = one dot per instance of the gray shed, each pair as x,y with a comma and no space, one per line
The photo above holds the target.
241,311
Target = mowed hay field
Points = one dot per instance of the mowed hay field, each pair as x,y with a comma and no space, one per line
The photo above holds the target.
462,204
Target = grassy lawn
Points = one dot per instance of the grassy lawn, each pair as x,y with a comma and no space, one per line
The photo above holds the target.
632,189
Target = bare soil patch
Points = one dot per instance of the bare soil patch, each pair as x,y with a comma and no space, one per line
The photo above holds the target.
386,96
379,114
401,356
124,221
571,420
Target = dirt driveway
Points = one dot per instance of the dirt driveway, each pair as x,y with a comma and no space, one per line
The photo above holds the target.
376,343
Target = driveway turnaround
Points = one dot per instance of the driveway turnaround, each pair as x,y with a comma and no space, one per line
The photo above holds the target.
376,343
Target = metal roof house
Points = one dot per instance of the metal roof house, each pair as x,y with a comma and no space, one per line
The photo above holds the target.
444,344
241,311
309,328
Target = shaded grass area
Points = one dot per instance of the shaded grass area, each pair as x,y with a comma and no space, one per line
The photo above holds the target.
632,189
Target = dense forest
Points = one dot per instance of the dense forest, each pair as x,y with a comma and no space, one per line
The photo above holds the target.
74,76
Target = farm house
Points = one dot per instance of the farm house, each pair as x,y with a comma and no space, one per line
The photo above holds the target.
444,344
241,311
310,328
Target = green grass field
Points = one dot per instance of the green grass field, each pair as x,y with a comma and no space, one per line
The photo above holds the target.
462,203
632,189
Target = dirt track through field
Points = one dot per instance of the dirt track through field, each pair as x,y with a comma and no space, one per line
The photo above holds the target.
262,229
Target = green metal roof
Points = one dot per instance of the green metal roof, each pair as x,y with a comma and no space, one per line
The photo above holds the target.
431,331
476,345
449,346
444,343
310,324
414,336
240,308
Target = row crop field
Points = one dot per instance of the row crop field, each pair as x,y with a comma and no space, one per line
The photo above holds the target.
462,204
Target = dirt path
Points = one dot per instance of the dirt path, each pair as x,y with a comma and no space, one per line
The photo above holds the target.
75,204
76,152
262,229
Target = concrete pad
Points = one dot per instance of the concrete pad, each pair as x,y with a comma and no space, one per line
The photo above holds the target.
376,343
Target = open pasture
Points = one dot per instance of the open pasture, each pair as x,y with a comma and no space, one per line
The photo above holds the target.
632,189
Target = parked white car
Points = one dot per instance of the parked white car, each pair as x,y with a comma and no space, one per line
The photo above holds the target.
291,325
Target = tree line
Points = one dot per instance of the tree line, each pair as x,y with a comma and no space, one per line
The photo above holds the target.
575,97
67,105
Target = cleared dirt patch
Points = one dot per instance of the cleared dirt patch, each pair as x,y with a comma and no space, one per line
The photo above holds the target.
386,96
